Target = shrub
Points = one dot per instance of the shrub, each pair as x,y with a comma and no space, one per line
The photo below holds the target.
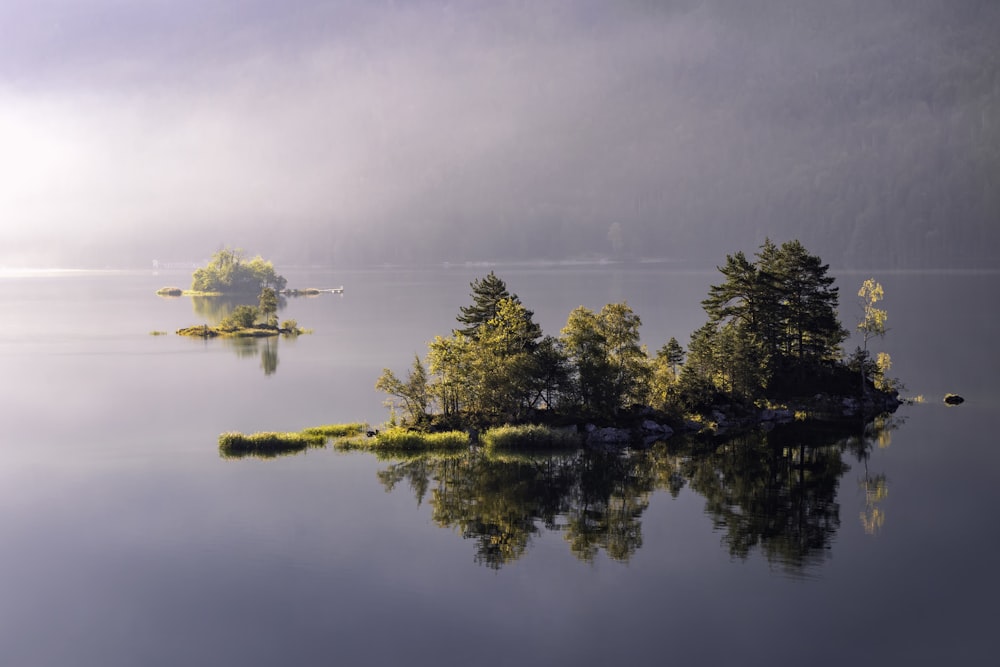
242,317
170,291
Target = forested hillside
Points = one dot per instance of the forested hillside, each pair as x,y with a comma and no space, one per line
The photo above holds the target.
870,130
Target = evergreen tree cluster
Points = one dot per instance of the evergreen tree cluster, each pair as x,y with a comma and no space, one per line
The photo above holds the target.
772,333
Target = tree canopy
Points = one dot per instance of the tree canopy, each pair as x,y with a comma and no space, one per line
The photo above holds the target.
772,332
229,272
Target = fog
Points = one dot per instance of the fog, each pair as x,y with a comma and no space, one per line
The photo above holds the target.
350,133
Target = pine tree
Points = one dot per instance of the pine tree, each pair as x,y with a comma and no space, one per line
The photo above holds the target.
487,293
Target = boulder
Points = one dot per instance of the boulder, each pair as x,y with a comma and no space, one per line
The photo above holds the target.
953,399
609,436
653,428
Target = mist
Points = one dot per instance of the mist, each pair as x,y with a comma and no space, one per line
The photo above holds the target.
352,134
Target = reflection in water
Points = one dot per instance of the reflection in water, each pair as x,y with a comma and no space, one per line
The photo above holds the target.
772,492
874,486
214,309
876,490
249,347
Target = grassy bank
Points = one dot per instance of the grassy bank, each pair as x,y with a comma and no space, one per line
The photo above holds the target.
267,444
528,437
400,439
256,331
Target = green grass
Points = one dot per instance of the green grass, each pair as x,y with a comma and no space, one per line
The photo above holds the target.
400,439
337,430
266,444
528,437
256,331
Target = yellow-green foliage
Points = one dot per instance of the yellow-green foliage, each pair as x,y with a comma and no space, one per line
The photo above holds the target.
202,331
235,445
157,333
336,430
401,439
528,436
170,291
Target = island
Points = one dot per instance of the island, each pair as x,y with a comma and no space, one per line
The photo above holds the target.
769,353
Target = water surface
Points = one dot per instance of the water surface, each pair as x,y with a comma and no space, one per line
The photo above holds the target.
128,540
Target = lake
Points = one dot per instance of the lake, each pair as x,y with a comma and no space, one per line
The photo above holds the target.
128,540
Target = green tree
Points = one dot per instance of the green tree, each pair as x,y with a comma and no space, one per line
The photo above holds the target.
230,272
611,369
242,317
412,395
665,373
737,297
673,353
872,325
268,305
503,354
585,347
450,361
487,293
628,360
775,318
549,375
809,302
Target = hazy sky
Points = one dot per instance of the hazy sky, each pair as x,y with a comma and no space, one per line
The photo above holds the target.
176,125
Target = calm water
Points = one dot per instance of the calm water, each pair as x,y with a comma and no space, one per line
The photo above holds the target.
127,540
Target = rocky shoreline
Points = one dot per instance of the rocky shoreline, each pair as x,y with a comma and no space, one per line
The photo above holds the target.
727,418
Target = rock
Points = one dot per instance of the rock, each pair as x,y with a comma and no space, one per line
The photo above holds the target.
953,399
609,436
784,415
653,431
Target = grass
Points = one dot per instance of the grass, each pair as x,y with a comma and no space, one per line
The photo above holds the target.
531,458
157,333
337,430
266,444
528,436
401,439
257,331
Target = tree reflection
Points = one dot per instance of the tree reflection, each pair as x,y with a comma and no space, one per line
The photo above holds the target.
875,487
771,492
250,347
214,309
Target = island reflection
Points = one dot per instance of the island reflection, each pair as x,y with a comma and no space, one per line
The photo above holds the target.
214,309
775,493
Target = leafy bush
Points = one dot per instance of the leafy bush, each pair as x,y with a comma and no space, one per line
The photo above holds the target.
242,317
